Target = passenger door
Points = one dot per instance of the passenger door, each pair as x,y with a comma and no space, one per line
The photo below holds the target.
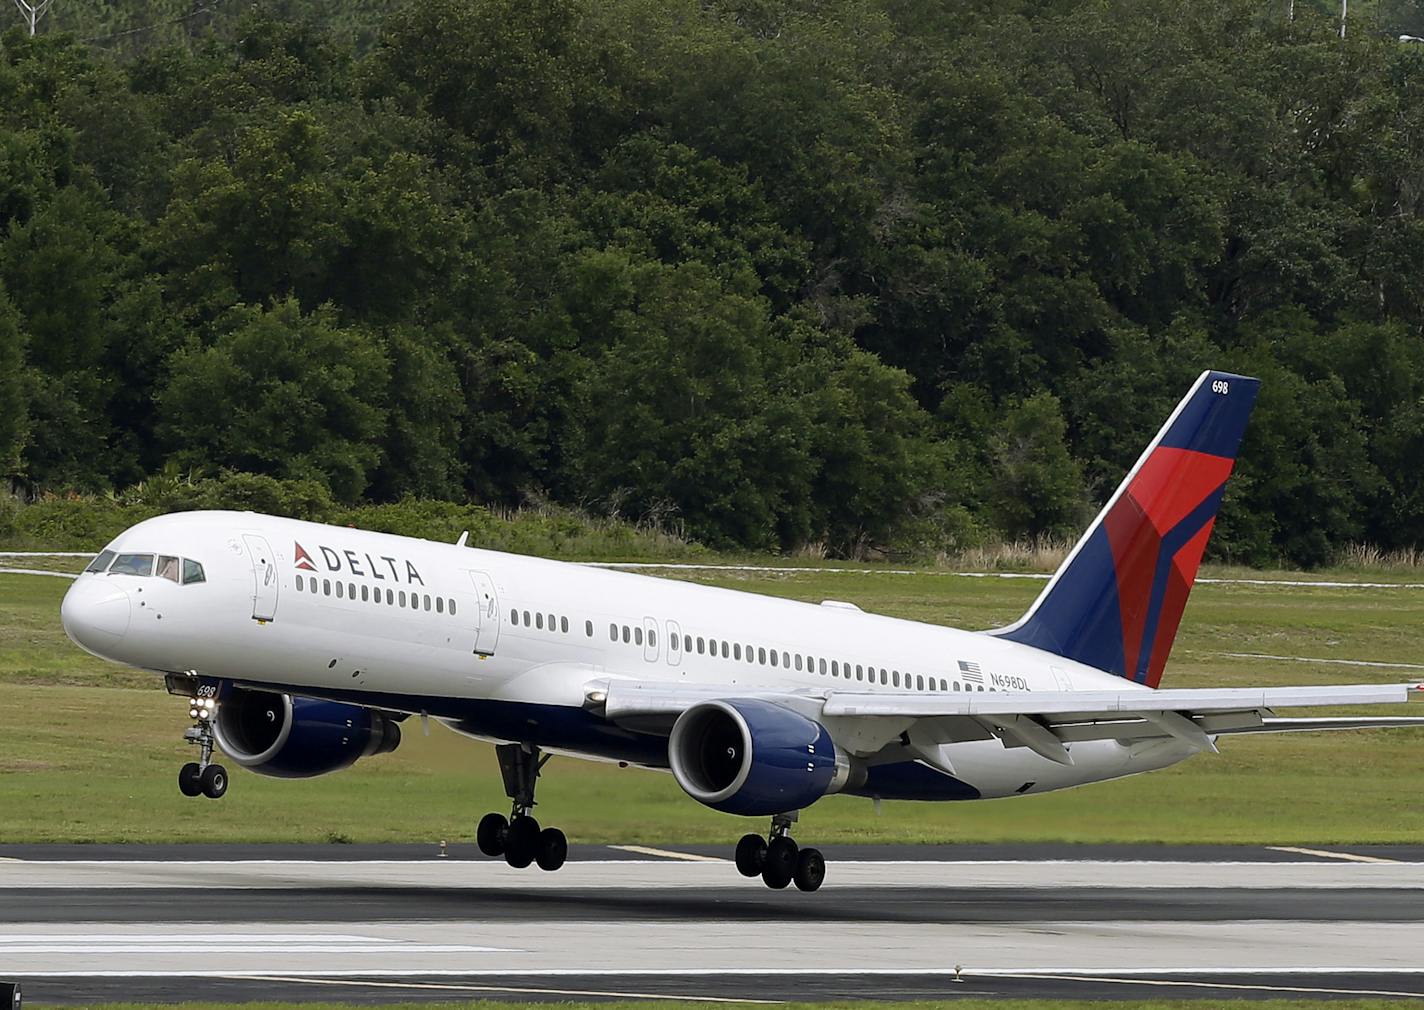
486,614
264,575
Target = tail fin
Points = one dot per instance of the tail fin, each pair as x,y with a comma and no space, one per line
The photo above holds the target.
1117,599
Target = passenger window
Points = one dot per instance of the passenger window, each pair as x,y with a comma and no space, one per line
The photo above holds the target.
798,661
427,603
401,597
652,638
440,604
686,643
786,660
736,650
822,664
527,622
133,564
956,685
301,586
638,636
588,628
452,607
761,656
563,621
726,652
613,632
773,657
835,668
895,678
365,593
100,562
627,635
390,597
884,677
539,621
552,623
351,590
341,591
942,685
919,683
326,587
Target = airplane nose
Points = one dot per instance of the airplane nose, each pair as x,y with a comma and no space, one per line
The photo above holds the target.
95,614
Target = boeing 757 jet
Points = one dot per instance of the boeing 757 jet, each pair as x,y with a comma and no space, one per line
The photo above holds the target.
301,647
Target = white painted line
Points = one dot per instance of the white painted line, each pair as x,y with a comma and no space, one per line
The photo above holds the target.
37,571
1168,983
1314,659
47,554
505,971
644,850
1040,576
189,938
447,987
1348,857
138,947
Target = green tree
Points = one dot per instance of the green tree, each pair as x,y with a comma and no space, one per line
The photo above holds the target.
280,393
1037,487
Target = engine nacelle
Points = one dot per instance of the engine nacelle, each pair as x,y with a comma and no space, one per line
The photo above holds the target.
297,738
746,756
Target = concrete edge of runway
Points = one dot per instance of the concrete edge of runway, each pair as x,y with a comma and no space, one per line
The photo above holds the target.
952,853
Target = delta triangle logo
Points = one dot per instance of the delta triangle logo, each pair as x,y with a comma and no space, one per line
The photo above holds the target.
303,559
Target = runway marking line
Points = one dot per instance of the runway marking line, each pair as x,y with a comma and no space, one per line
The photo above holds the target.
1348,857
1168,983
689,857
450,987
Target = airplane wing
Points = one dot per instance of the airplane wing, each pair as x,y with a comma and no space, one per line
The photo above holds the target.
1043,721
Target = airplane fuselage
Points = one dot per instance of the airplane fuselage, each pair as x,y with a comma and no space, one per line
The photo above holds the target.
507,648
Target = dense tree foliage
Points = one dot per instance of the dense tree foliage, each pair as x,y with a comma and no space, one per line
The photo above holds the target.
870,274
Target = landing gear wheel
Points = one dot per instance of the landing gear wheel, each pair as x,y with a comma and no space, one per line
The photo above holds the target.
521,842
188,779
551,849
780,863
489,836
810,870
751,855
213,781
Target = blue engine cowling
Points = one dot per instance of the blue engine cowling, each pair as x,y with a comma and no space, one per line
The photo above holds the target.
746,756
295,738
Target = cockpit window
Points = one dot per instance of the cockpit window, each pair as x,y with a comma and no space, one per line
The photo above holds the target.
133,564
192,572
101,562
168,567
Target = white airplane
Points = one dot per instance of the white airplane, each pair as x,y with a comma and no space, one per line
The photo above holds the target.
301,646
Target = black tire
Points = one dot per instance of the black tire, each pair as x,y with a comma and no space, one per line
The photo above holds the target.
214,781
780,863
751,855
551,850
810,870
489,836
521,842
10,996
189,784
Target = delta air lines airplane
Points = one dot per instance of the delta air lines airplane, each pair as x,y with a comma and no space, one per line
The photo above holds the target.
301,647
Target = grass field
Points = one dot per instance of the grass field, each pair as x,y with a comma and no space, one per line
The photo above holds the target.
90,751
1369,1004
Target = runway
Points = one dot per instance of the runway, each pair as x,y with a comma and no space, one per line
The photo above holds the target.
389,924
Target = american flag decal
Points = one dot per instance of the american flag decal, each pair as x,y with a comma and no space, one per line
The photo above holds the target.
971,671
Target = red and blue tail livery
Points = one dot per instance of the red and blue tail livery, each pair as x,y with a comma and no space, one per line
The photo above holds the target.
1116,601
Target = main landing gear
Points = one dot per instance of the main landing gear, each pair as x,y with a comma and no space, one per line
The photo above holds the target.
202,777
778,860
519,839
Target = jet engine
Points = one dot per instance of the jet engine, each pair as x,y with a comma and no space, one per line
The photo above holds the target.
747,756
295,738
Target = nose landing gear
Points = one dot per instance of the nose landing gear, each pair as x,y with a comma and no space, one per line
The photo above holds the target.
778,860
519,839
202,777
